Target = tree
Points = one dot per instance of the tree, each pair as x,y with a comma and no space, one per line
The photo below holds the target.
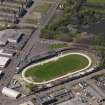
99,44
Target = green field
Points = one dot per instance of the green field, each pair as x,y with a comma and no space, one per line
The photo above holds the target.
96,1
43,8
57,68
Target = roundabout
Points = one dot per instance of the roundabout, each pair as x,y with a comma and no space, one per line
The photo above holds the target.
56,68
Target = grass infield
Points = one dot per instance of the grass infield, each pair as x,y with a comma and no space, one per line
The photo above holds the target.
54,69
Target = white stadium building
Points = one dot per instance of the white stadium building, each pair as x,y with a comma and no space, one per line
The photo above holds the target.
10,93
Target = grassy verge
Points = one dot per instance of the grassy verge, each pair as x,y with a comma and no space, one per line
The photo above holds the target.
56,46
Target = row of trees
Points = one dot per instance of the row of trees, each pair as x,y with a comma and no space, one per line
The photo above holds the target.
59,29
99,45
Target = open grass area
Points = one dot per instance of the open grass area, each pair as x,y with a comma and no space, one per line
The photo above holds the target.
56,46
43,7
36,14
96,1
33,18
54,69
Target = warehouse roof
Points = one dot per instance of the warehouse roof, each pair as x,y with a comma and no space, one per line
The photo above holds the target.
10,92
8,35
6,52
14,37
4,61
27,103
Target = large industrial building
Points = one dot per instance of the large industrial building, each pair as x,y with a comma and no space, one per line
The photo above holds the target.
10,93
4,61
6,53
9,36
